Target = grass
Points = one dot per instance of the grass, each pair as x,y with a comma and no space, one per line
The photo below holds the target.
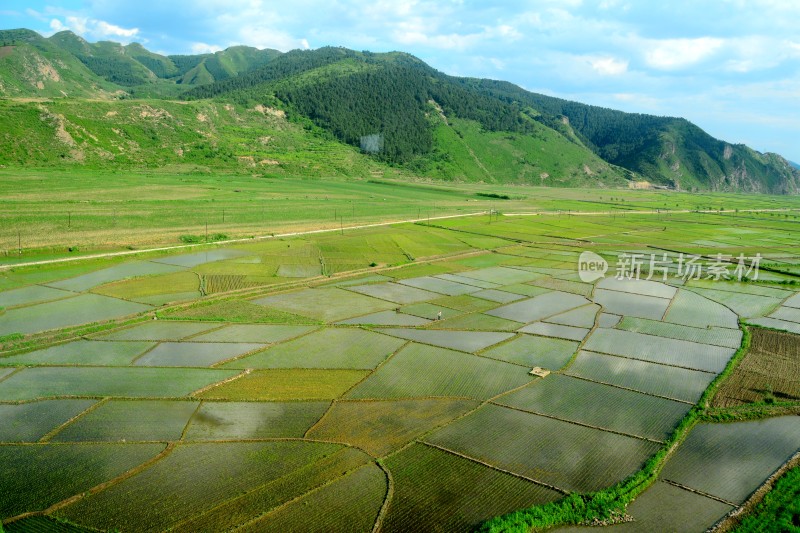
780,508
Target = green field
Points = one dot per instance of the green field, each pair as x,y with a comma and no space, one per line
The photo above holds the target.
305,382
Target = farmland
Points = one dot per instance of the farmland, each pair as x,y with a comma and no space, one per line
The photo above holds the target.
256,382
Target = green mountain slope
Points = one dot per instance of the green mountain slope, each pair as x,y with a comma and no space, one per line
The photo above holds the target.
197,136
32,66
110,67
386,110
358,94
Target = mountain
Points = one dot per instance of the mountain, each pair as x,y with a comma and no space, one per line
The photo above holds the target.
390,111
107,65
353,94
795,165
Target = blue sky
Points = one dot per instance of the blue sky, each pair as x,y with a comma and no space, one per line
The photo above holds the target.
730,66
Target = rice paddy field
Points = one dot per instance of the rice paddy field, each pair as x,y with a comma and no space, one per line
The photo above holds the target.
425,376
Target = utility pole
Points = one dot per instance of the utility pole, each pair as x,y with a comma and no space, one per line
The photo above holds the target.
223,216
341,225
206,230
19,242
69,219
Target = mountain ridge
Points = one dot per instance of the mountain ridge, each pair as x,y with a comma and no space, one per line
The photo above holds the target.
413,117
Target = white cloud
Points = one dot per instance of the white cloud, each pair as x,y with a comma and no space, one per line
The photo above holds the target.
608,66
672,54
95,29
204,48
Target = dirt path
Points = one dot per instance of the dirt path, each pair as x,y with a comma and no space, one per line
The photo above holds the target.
379,224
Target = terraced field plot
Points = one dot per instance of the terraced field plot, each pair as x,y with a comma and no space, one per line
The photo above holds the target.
442,286
659,350
465,341
387,318
539,307
222,469
194,354
729,338
29,422
253,333
32,295
323,510
651,378
533,351
769,371
478,322
327,348
125,420
159,331
419,371
286,428
379,427
287,384
50,382
38,476
566,455
601,406
328,304
82,352
81,309
691,309
253,420
730,461
429,492
115,273
395,293
557,331
623,303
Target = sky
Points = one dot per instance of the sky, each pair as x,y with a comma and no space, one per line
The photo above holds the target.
730,66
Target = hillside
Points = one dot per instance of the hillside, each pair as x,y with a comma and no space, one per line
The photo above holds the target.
66,62
353,94
392,108
187,137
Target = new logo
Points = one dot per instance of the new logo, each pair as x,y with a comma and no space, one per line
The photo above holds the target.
591,267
